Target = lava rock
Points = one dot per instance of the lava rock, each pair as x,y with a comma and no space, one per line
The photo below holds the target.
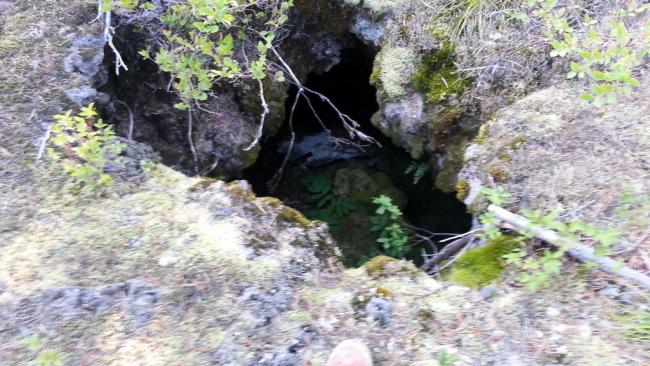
82,96
380,310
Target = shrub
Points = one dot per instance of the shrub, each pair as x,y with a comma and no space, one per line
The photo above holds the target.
602,53
84,145
538,268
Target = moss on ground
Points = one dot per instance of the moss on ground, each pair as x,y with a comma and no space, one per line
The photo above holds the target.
480,266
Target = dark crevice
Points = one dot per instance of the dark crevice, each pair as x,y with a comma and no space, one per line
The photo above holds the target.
347,85
371,168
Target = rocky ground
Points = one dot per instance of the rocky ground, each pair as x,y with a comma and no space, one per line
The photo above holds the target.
168,269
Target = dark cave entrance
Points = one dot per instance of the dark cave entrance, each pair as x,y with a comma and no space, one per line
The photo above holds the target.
356,174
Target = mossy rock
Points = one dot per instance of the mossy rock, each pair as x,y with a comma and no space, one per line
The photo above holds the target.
290,215
376,266
483,132
462,189
385,266
480,266
362,185
438,77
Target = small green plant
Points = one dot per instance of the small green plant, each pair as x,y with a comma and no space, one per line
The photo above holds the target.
600,52
418,170
392,236
330,207
84,145
204,43
539,267
44,357
445,358
496,196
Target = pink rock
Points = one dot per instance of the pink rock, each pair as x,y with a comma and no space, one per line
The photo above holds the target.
351,352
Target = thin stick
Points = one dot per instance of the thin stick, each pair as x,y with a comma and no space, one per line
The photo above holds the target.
41,147
108,37
189,137
278,175
129,134
446,252
577,251
265,111
460,235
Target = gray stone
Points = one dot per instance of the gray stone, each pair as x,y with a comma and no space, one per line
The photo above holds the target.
404,122
487,292
368,30
314,151
380,310
82,96
611,291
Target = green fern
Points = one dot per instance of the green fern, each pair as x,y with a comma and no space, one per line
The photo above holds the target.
330,207
418,170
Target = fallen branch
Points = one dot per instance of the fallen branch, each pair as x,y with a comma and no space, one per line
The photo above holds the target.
446,252
578,252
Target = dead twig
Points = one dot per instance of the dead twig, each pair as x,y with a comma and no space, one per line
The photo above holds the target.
43,144
265,111
109,30
129,133
446,252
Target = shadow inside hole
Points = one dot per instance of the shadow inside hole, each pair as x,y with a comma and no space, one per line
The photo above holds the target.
347,86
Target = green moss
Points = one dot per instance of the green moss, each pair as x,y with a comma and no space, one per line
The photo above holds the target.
438,77
382,291
483,132
499,173
376,266
238,191
290,215
395,71
478,267
462,189
271,201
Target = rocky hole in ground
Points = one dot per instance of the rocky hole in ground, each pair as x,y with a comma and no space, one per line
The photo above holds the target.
325,178
334,181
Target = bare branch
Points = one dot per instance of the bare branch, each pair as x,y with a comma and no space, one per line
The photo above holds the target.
108,36
129,134
189,137
446,252
577,251
278,175
265,111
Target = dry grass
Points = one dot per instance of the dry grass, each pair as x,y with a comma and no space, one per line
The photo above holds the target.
32,84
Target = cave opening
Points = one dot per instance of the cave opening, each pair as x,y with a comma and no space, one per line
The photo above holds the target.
335,182
322,166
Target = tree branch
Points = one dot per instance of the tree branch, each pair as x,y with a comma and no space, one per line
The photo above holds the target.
108,36
577,251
